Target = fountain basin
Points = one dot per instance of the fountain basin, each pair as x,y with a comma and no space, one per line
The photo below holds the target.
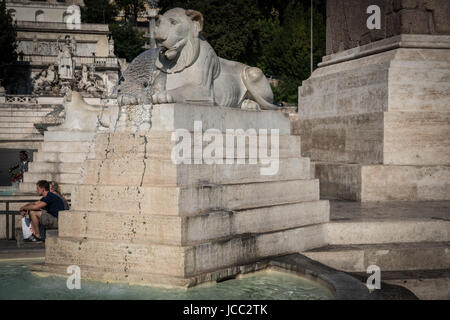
291,277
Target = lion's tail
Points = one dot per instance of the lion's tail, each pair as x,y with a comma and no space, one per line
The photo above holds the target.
252,77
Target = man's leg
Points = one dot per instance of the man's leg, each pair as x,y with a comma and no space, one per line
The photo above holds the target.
35,216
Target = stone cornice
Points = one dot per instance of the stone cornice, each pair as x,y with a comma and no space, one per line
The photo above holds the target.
86,28
396,42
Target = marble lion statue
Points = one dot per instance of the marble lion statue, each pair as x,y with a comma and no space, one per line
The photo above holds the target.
187,69
81,116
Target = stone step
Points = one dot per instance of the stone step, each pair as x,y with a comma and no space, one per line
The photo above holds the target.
59,146
173,230
180,261
18,130
161,200
20,144
23,113
51,167
66,157
379,231
389,257
21,136
73,136
9,124
24,108
59,177
161,145
30,187
25,119
165,172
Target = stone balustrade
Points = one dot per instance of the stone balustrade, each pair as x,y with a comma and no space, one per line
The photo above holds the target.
46,60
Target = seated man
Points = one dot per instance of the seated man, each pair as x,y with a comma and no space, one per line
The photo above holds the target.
44,211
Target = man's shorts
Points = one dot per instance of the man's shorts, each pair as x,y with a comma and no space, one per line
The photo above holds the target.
48,221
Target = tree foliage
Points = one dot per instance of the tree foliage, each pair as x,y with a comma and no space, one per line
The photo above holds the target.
131,9
99,11
128,42
8,42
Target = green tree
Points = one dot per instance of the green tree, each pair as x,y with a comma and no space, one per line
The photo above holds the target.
99,11
129,42
8,42
231,26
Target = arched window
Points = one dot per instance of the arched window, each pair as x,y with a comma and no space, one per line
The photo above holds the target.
39,16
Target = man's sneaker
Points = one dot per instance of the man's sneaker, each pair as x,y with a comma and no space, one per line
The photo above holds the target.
34,239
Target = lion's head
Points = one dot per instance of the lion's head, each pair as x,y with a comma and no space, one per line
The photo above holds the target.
177,35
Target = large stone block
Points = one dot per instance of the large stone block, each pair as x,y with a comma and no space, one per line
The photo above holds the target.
165,172
383,182
159,145
176,230
192,200
352,138
170,117
417,138
180,261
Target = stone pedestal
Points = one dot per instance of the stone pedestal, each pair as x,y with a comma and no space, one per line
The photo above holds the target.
138,217
375,120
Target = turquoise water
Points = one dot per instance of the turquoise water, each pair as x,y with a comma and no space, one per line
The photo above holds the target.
17,282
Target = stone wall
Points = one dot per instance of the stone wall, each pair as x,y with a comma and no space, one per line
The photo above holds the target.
347,21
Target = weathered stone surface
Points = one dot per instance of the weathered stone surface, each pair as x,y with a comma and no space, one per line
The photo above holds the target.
354,138
158,145
134,256
389,257
401,231
192,200
405,183
383,182
165,172
176,230
169,117
417,138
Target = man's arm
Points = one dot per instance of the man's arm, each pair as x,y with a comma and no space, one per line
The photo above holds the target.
34,206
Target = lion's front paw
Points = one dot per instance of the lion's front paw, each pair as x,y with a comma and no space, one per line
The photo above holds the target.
162,97
250,105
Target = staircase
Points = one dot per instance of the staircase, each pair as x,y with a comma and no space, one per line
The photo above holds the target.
409,241
59,159
17,124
